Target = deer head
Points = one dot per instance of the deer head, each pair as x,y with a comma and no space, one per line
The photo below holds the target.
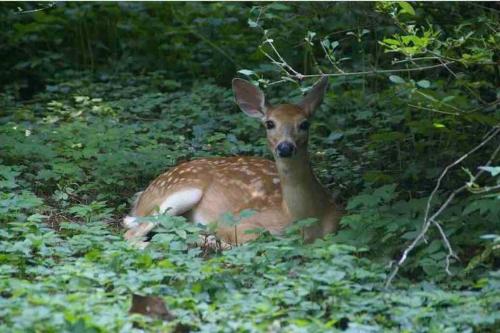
287,125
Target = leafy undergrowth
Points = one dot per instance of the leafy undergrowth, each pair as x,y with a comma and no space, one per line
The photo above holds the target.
72,157
81,279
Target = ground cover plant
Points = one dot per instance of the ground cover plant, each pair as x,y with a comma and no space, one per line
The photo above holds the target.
98,99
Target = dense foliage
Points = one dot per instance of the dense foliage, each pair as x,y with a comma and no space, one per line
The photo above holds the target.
98,98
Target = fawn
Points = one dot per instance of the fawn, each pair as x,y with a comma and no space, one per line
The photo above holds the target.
279,192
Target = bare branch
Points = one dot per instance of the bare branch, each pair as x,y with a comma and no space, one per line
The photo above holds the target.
282,61
451,253
432,219
447,68
292,73
276,82
484,189
330,59
376,71
435,100
414,59
433,110
492,134
47,6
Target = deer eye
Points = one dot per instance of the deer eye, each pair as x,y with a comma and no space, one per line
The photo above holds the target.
270,124
304,126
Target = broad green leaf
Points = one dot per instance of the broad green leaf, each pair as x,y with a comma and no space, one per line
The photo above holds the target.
396,79
279,6
406,8
424,84
246,72
494,171
252,23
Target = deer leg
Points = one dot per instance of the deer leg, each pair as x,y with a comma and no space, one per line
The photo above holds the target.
176,203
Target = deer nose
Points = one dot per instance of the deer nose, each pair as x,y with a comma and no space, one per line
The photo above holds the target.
285,149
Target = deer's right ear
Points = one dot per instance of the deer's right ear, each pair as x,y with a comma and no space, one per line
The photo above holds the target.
250,99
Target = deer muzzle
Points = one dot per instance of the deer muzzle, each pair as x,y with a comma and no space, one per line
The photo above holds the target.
285,149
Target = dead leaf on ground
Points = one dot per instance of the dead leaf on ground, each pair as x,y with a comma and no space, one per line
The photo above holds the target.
151,306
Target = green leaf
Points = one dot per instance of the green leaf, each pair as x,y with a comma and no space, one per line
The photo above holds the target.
423,84
279,6
396,79
391,41
246,72
494,171
406,8
252,23
181,233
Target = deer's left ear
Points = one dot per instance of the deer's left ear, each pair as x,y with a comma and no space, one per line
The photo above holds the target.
314,97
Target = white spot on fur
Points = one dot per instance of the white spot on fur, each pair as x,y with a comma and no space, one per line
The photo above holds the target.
257,183
180,202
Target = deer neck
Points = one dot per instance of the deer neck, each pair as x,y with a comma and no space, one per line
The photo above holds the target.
303,195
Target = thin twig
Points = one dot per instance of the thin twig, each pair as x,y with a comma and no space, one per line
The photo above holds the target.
451,253
282,61
494,103
447,68
48,6
374,72
276,82
456,113
433,110
413,59
472,92
435,100
274,61
330,59
484,189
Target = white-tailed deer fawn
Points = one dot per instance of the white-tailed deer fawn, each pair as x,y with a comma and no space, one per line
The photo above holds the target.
279,193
